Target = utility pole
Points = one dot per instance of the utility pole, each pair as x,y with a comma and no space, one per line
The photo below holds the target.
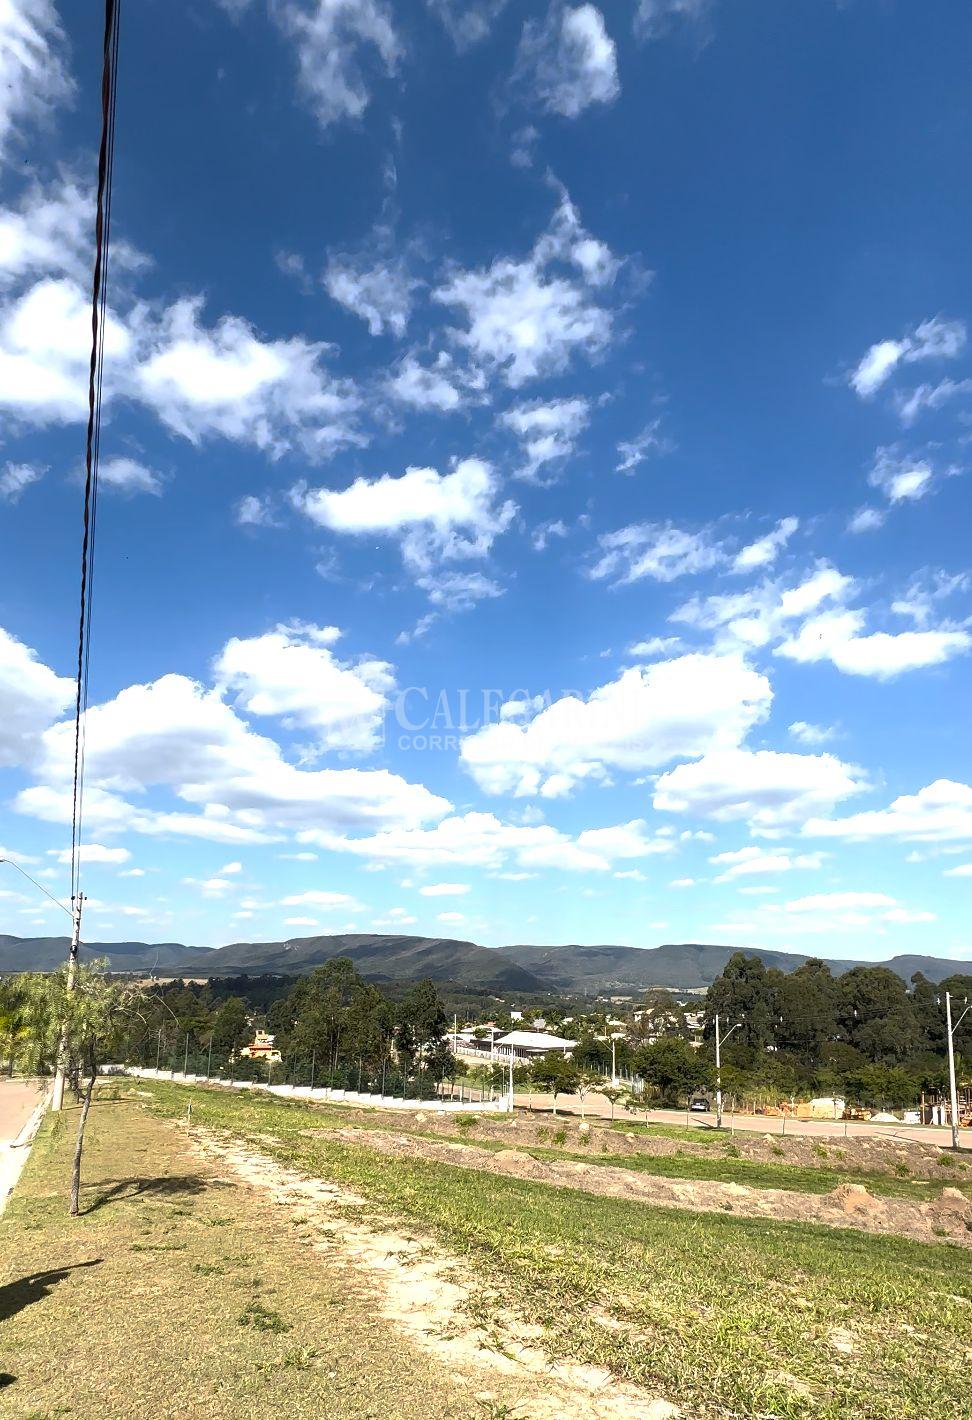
57,1098
614,1067
511,1081
718,1045
953,1092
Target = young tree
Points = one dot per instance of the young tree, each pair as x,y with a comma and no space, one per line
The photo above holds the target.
674,1068
556,1075
85,1019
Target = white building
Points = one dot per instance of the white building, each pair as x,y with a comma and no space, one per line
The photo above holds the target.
527,1044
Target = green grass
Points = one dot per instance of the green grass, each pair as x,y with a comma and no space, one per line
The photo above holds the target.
801,1178
140,1308
722,1314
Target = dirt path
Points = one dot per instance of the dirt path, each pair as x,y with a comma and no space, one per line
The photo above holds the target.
848,1206
425,1294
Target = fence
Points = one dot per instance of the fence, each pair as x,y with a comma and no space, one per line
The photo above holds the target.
321,1094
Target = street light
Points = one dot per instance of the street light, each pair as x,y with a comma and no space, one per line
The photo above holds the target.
953,1092
718,1045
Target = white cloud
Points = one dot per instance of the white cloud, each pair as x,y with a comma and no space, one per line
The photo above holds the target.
45,346
225,380
900,479
316,897
743,862
467,21
450,917
128,476
543,532
963,870
228,869
31,697
764,552
436,516
768,789
16,477
95,853
867,520
657,550
33,75
682,882
439,386
529,318
762,614
923,397
934,339
290,672
335,40
654,17
444,889
655,646
548,431
568,61
836,636
290,921
254,512
648,716
230,785
481,840
939,813
379,293
634,452
807,734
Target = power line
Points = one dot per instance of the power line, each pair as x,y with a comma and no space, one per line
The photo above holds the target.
99,308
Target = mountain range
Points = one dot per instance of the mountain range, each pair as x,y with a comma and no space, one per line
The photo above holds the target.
585,970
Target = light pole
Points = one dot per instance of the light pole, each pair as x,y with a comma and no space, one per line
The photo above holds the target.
614,1067
953,1092
718,1045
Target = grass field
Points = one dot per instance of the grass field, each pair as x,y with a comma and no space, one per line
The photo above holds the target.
176,1297
727,1315
749,1172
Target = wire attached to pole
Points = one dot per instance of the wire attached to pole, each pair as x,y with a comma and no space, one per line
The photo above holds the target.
99,313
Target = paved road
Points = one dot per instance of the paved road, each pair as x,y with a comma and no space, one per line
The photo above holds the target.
595,1106
18,1100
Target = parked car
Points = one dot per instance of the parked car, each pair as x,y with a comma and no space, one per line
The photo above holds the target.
700,1105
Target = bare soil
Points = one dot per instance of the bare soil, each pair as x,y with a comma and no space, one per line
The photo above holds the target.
848,1206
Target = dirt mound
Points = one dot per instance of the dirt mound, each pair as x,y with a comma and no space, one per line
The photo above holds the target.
954,1203
853,1198
520,1165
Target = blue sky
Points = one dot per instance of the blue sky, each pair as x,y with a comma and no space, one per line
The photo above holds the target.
534,473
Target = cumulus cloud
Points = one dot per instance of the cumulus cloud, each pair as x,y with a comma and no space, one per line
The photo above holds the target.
378,292
481,840
436,517
808,734
530,317
439,385
650,715
939,813
765,550
173,758
338,43
129,476
226,380
744,862
95,853
568,61
444,889
292,673
31,697
838,637
934,339
660,551
911,404
770,790
900,478
548,431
